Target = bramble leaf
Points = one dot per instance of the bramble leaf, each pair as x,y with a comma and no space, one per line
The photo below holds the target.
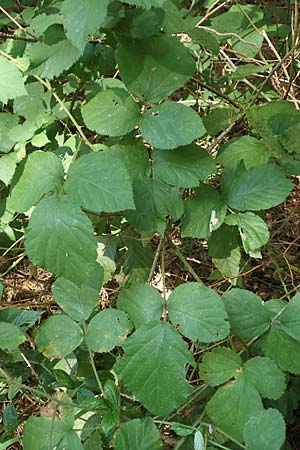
138,434
199,312
10,336
219,366
265,430
142,303
155,375
154,68
11,81
100,182
171,125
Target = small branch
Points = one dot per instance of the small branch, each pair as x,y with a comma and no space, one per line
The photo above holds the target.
186,264
17,23
17,38
157,253
218,93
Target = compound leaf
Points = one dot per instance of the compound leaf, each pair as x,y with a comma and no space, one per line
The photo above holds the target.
154,68
142,303
154,374
138,434
199,312
42,173
100,182
58,336
171,125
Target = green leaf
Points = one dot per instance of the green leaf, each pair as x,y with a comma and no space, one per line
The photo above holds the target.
233,405
60,238
152,69
219,366
100,182
42,173
147,4
245,70
49,61
11,81
283,349
265,431
106,330
82,19
154,374
205,38
223,241
247,315
112,112
266,377
79,301
253,230
199,312
138,434
261,187
203,213
290,318
162,200
142,303
58,336
43,433
10,419
183,167
27,319
1,290
8,164
171,125
246,148
182,430
219,119
10,336
229,267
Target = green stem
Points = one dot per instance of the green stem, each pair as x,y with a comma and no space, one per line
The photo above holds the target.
186,264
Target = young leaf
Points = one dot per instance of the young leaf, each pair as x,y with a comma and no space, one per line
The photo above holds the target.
233,405
106,330
230,267
100,182
219,366
142,303
183,167
11,81
10,336
199,312
155,375
253,230
10,419
49,61
112,112
79,301
42,173
203,213
138,434
82,19
58,336
282,349
171,125
261,187
154,68
199,441
60,238
266,377
265,431
8,164
182,430
247,315
42,433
